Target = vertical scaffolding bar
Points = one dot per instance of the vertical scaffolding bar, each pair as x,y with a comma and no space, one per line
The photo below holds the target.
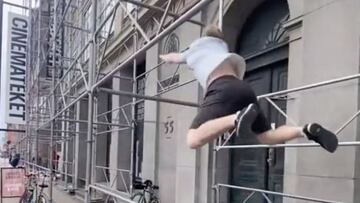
92,67
221,14
215,188
73,165
27,97
38,86
133,116
37,112
53,102
213,174
65,126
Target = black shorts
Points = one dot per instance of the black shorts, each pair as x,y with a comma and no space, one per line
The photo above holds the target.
225,96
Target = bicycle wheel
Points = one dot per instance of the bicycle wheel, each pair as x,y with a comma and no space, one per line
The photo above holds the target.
26,197
154,200
42,199
138,197
23,198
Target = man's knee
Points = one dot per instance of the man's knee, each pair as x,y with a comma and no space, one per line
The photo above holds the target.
265,137
192,139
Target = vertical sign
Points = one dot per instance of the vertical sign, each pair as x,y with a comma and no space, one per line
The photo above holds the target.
12,182
15,68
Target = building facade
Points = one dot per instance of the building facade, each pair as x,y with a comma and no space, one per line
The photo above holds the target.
286,44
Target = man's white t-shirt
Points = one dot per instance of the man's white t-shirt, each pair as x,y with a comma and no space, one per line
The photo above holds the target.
206,54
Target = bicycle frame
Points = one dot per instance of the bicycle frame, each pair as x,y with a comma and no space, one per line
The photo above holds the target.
149,194
32,189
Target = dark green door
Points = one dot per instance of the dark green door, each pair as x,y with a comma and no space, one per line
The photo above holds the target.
261,168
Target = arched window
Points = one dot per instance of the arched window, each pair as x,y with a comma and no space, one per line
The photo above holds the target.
263,28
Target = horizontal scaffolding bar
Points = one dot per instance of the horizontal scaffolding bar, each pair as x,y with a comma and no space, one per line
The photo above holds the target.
95,123
12,130
148,6
69,25
141,100
118,77
297,89
15,5
153,98
35,165
277,193
111,193
113,169
344,144
63,131
150,70
113,130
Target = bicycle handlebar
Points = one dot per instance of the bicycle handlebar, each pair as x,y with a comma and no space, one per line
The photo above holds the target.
146,184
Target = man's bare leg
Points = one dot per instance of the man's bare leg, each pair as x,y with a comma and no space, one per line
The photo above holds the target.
312,131
210,130
280,135
213,129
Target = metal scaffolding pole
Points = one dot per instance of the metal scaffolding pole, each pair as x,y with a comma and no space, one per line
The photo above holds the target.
215,189
65,148
276,193
155,8
354,143
90,136
95,123
73,179
163,18
133,116
141,100
53,103
38,65
306,87
14,5
153,98
221,14
111,193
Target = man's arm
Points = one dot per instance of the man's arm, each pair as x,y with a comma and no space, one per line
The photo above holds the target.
173,58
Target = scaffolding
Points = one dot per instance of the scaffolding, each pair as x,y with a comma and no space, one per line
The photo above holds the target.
69,68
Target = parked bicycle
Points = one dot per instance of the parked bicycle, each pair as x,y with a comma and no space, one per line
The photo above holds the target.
32,193
148,193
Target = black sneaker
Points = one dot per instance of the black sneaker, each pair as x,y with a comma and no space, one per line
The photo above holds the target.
244,120
325,138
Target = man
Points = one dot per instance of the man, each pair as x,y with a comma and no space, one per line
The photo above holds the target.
230,102
14,160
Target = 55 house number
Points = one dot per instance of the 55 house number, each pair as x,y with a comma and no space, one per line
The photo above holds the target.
168,127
